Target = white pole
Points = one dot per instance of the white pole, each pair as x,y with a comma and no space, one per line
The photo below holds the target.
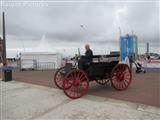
120,42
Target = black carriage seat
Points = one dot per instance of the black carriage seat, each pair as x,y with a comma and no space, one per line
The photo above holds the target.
87,65
84,63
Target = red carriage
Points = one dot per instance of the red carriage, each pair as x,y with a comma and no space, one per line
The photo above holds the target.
75,82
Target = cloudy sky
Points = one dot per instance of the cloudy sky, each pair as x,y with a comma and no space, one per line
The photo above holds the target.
69,25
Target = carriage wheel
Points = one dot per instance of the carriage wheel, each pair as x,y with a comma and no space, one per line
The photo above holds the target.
75,84
121,77
104,81
58,78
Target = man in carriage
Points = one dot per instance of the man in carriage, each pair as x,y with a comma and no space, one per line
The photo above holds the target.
86,59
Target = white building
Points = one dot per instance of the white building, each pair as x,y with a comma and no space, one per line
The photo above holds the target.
41,57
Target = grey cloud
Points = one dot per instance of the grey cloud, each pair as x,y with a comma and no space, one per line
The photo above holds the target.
61,22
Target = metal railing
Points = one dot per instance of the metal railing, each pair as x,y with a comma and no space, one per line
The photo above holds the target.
34,65
45,65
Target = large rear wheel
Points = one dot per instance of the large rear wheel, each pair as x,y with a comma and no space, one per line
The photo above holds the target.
121,77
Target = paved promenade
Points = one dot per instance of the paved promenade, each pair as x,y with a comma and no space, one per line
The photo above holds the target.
32,102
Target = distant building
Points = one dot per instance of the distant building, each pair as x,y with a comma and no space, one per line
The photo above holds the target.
42,57
115,53
40,60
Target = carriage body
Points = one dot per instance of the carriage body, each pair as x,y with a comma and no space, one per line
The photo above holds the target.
103,69
100,67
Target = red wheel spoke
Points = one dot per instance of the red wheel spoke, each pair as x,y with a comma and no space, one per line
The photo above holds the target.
82,76
83,85
125,83
83,79
120,67
74,92
78,74
122,85
74,74
127,78
124,68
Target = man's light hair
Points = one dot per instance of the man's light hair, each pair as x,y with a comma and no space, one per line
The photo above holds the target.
87,46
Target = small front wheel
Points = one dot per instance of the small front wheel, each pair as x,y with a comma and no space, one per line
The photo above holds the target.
58,77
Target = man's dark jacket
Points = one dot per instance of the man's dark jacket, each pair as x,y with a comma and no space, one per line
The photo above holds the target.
89,54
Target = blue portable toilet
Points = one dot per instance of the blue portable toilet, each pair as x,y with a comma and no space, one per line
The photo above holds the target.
126,46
